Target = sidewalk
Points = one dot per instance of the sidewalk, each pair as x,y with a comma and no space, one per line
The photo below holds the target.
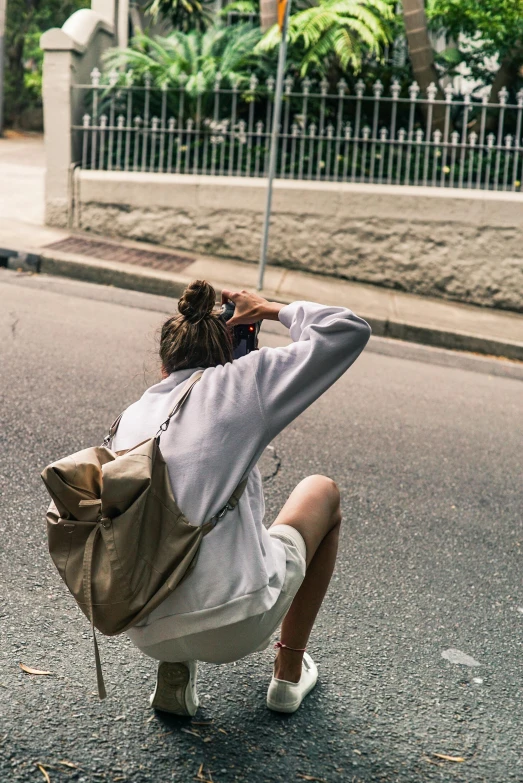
157,270
160,271
22,171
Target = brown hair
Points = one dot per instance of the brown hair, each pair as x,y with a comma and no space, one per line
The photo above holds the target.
197,337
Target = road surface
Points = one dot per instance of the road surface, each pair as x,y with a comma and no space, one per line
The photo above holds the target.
426,447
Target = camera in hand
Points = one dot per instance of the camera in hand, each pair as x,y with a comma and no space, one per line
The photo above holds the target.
244,336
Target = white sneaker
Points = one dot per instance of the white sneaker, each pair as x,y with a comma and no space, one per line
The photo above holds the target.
285,696
176,688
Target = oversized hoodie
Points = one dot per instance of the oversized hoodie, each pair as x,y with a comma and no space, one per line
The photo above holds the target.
215,441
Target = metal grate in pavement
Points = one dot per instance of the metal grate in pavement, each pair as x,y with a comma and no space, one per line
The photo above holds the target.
106,251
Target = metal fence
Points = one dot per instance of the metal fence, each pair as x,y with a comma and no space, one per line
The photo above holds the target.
240,17
395,137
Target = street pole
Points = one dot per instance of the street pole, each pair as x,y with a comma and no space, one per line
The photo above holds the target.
282,56
3,7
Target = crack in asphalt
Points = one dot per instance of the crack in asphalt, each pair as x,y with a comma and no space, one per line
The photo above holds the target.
276,461
14,323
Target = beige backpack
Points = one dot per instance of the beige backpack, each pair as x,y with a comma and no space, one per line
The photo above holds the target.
115,532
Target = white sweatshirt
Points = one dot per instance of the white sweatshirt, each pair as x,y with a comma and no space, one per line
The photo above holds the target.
216,439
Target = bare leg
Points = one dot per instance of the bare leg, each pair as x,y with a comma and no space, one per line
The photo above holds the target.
313,509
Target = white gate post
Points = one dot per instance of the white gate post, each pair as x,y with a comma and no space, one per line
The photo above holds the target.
70,54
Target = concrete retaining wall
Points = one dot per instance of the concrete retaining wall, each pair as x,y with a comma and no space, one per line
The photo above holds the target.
463,245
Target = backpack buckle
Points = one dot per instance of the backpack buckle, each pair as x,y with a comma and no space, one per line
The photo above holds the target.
162,428
227,507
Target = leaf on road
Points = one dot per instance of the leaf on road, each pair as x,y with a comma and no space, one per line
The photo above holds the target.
200,776
29,670
448,758
430,761
310,777
188,731
44,773
69,764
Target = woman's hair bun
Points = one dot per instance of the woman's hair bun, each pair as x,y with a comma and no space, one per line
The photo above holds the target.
197,301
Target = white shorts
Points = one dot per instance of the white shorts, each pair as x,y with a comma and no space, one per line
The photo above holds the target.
232,642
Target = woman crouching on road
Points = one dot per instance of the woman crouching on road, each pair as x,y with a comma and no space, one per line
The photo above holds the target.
247,578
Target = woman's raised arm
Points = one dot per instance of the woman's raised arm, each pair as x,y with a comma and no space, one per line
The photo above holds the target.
326,342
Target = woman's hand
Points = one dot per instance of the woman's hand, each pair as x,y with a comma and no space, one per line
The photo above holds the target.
250,307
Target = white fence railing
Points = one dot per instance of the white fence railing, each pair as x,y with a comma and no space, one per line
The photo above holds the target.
391,136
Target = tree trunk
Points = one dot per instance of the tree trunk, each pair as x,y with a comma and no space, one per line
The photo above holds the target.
506,74
422,56
15,69
268,13
2,58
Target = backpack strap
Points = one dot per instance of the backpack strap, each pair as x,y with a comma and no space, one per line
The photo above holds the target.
176,407
231,503
112,431
88,598
187,389
235,497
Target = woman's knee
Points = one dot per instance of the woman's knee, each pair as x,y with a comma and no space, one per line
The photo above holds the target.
330,490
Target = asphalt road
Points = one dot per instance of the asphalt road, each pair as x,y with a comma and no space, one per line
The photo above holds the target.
426,447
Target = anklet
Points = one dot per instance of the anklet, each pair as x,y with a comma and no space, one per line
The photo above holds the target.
280,646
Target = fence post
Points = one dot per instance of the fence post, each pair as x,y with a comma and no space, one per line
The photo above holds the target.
70,53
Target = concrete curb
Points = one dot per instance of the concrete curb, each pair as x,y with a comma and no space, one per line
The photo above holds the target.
149,281
157,282
439,338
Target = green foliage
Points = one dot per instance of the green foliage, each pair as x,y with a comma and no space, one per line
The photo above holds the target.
184,15
25,23
337,34
483,31
498,23
195,60
198,56
241,7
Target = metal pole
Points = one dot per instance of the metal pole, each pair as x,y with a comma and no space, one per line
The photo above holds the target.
3,5
282,55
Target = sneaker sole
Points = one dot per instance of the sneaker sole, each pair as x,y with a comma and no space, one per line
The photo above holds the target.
173,691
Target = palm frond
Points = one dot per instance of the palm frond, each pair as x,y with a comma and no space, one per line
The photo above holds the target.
271,39
348,48
343,28
197,55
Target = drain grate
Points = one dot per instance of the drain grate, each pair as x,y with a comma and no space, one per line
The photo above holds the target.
106,251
